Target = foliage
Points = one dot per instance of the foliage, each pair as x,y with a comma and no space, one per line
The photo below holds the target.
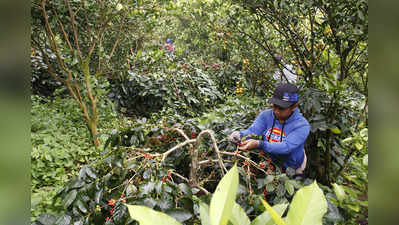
307,207
325,47
351,194
178,103
332,114
60,146
177,86
77,42
121,174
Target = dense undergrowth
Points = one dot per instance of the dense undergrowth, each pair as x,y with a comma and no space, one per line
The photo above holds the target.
59,146
125,118
118,165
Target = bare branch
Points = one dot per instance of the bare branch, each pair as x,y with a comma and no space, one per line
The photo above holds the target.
165,154
222,167
118,40
75,32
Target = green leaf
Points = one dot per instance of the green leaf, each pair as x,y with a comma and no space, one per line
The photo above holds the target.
119,213
79,222
64,220
355,208
308,206
179,214
276,217
238,216
119,6
204,213
82,173
266,219
130,189
185,189
280,190
91,173
82,206
339,192
268,179
150,202
147,188
366,160
223,199
46,219
85,67
335,130
270,187
364,132
358,145
332,214
158,187
147,216
165,203
360,13
98,195
289,187
69,198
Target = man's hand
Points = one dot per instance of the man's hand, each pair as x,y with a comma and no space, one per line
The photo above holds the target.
249,144
235,137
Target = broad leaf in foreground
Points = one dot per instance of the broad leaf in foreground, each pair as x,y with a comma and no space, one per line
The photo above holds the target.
238,216
147,216
266,219
276,217
308,206
223,199
204,213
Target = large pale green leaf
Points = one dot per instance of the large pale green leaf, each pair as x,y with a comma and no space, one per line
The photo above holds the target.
266,219
308,206
339,192
147,216
204,214
223,199
276,217
238,216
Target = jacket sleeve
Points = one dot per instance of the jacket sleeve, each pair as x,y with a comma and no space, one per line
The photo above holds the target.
293,140
258,126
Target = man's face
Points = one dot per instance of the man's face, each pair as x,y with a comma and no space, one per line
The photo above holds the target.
283,113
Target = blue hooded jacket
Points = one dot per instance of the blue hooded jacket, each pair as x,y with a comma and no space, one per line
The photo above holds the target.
281,140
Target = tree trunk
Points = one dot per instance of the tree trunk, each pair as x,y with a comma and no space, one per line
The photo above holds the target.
94,133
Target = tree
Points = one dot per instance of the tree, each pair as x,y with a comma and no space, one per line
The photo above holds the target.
80,42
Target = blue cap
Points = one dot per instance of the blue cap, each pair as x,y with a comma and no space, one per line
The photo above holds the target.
285,95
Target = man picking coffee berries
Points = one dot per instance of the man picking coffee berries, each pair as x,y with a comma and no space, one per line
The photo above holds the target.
283,129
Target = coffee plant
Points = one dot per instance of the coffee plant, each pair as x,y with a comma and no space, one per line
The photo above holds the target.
133,101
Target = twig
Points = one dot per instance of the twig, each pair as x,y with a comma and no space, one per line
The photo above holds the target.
245,158
208,161
203,189
130,179
179,131
194,158
179,176
75,33
165,154
222,167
